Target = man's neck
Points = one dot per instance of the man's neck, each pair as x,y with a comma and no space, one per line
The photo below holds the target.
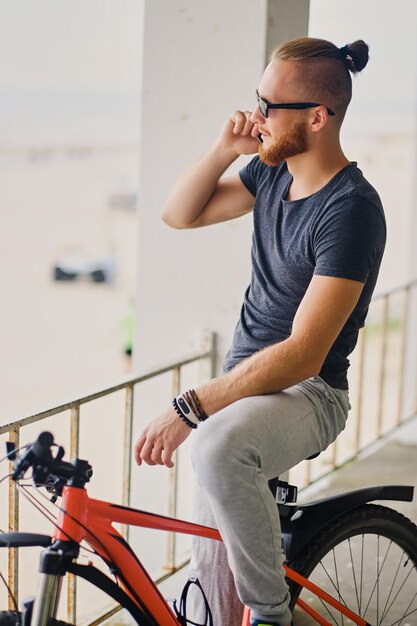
311,171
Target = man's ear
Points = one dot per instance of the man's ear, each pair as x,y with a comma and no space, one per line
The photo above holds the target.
318,119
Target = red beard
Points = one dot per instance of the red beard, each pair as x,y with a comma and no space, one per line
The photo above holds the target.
292,142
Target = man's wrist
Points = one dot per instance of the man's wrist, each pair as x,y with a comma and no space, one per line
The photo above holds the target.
188,408
227,154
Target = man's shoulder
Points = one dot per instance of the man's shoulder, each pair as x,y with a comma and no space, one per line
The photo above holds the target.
355,190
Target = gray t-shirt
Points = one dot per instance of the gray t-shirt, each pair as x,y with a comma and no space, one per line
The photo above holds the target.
338,231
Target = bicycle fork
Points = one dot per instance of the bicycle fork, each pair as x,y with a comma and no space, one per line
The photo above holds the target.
53,566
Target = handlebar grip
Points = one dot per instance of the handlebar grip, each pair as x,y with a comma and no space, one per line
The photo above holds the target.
38,454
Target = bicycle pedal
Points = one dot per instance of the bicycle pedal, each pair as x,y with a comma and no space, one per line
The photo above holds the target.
286,493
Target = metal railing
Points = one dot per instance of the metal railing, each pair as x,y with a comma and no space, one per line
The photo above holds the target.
383,381
205,355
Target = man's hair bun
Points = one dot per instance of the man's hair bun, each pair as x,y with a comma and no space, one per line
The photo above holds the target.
356,55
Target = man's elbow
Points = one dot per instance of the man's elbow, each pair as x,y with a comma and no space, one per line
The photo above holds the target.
170,220
315,361
314,369
310,360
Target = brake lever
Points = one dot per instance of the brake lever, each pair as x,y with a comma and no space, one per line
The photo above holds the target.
55,485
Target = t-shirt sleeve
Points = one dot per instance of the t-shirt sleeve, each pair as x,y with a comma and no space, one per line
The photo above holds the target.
250,174
349,239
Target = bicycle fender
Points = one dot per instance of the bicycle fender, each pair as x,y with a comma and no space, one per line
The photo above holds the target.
299,524
24,540
103,582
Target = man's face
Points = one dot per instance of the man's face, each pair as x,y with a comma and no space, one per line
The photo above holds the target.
284,132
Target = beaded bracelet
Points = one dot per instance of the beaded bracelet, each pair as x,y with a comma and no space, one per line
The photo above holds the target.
201,414
182,415
186,409
192,404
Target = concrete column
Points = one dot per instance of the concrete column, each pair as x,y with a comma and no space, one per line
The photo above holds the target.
285,20
201,60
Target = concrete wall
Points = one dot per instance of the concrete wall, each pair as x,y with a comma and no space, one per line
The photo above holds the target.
285,22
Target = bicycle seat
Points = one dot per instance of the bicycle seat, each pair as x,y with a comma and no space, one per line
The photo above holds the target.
291,496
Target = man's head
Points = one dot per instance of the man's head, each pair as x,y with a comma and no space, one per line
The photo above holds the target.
312,72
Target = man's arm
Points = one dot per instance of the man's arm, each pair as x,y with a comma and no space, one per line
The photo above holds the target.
324,310
199,197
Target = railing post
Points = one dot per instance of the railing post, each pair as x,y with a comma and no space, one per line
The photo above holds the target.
361,354
75,431
381,379
207,368
13,556
403,333
127,452
334,455
173,483
74,451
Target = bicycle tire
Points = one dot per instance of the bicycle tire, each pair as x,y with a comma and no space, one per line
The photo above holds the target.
367,559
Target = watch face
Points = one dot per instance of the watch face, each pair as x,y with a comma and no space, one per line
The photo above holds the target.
183,406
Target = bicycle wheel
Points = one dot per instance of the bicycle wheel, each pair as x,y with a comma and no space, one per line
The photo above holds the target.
366,559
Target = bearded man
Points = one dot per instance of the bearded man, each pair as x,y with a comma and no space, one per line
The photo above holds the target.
319,236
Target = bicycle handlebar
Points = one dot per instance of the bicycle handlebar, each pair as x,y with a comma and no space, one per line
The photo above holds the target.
49,470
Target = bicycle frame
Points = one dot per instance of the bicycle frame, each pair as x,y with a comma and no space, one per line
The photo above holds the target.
83,518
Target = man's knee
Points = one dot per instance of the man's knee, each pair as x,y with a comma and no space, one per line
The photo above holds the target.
219,449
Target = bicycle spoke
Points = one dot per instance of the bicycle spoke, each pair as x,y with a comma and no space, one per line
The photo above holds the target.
333,585
341,599
354,576
399,590
385,610
337,581
406,614
361,587
398,622
376,584
332,617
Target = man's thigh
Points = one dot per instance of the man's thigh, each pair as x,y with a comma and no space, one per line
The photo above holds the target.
276,431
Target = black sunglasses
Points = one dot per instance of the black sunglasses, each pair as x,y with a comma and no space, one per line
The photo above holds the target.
264,106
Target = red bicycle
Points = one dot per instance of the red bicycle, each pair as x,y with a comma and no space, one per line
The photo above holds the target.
337,550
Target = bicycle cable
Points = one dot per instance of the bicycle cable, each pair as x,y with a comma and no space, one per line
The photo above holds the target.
81,525
16,608
7,457
5,477
90,550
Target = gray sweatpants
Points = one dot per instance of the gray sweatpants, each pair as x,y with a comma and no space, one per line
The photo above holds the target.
235,452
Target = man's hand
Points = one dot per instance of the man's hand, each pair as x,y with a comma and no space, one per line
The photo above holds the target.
239,134
160,439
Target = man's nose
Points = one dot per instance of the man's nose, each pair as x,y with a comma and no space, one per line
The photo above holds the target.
256,116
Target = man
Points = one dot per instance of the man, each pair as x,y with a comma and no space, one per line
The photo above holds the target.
319,236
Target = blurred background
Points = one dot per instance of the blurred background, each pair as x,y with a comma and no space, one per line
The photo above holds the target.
69,93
